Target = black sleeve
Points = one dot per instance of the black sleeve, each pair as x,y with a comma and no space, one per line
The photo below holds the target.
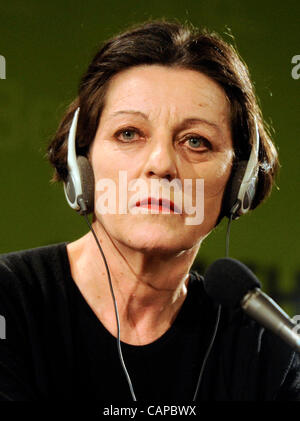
16,376
290,388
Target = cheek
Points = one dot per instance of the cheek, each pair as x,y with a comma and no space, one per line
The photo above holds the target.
107,161
101,162
216,177
216,183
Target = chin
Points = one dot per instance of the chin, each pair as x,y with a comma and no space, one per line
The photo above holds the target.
156,247
158,240
154,236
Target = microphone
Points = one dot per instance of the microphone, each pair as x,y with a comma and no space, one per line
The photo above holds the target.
230,283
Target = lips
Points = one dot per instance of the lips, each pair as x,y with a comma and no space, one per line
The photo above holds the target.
152,203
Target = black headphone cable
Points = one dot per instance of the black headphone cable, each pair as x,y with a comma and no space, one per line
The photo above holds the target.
116,312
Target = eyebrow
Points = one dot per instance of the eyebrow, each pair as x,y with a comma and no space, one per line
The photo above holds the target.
185,123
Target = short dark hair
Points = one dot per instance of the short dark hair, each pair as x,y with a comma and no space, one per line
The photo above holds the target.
172,44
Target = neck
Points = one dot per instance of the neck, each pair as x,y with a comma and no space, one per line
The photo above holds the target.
149,288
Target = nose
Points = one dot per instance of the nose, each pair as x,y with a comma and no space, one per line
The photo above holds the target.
161,159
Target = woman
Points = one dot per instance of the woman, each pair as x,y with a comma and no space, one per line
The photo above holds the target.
160,102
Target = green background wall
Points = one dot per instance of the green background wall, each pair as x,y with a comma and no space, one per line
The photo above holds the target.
47,46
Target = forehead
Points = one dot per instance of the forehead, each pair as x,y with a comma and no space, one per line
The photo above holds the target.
156,88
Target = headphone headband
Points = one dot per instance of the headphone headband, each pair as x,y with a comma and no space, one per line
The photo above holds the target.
79,186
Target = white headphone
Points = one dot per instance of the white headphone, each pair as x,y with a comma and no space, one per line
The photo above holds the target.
79,186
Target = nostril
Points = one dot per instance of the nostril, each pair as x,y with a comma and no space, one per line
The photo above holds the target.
165,177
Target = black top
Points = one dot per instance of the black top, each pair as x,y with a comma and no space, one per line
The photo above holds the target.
55,348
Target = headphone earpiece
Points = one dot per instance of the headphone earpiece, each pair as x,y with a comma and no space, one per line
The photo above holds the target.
87,182
232,189
241,187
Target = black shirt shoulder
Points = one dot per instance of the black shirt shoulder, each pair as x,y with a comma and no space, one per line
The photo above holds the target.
34,307
34,265
32,280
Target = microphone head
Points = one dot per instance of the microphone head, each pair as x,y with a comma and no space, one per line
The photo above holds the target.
227,281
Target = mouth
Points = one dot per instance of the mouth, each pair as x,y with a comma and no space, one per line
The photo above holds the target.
158,204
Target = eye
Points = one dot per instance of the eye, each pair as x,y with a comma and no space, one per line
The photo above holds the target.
197,143
126,135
